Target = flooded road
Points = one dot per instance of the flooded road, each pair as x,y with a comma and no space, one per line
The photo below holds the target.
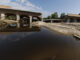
38,45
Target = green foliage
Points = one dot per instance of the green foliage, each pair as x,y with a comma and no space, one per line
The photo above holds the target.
62,15
11,17
44,19
48,17
54,16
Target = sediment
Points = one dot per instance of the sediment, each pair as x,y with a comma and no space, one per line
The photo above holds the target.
65,28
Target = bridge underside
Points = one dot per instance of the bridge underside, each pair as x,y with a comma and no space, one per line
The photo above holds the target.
18,17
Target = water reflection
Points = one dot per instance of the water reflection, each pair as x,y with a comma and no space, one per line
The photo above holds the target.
22,29
78,39
42,45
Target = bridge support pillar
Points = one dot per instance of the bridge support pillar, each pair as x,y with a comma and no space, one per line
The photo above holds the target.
2,16
75,20
18,20
30,24
51,21
68,20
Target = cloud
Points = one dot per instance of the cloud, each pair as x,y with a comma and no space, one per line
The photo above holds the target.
30,4
46,13
24,5
5,1
33,6
22,1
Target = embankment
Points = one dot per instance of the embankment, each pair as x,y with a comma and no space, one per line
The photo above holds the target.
64,28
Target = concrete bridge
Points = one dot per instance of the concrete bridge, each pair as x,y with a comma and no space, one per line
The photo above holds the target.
19,17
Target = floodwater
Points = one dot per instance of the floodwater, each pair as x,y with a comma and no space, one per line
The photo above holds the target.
40,44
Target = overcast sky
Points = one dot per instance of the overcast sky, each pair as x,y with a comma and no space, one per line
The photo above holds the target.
46,7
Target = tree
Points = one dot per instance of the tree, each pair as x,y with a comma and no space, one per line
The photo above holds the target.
79,13
48,17
11,17
62,15
54,16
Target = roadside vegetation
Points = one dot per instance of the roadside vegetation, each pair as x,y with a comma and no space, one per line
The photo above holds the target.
56,16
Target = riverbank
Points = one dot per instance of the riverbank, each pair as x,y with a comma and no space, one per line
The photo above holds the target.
64,28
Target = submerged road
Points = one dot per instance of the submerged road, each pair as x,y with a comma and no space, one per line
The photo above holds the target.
43,45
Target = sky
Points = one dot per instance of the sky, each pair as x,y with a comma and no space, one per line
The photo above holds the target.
46,7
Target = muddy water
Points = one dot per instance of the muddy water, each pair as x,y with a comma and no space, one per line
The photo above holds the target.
38,45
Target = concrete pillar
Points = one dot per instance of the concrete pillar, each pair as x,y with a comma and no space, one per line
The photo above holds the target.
75,20
18,19
30,24
68,20
42,19
2,16
51,21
